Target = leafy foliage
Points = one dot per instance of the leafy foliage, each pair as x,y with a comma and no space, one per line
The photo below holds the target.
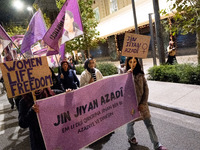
179,73
15,30
79,69
107,69
186,16
186,19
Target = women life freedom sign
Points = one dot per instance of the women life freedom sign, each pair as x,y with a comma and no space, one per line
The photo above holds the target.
24,76
135,45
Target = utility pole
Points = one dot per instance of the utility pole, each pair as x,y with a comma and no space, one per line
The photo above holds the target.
135,17
152,39
159,38
136,27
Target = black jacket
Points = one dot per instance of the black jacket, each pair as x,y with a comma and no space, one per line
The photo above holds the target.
70,79
28,119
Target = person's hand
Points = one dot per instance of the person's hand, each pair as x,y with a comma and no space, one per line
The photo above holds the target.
62,76
68,90
35,107
91,80
130,70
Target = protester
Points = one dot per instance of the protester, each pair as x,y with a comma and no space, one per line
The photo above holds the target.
56,84
171,50
90,74
28,119
72,65
71,28
3,89
67,77
8,57
121,67
142,92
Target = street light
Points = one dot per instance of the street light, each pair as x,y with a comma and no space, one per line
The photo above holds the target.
30,9
18,4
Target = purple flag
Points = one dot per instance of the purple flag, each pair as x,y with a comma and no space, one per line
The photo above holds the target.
35,31
73,120
4,39
17,41
61,51
67,26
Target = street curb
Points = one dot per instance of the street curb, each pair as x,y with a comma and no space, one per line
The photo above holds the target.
174,109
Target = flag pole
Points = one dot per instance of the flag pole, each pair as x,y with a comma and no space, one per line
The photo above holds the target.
18,49
10,39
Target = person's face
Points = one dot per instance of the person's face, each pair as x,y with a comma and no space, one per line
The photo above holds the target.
132,62
65,66
91,64
68,25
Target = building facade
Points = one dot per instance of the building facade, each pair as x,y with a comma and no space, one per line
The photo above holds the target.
116,17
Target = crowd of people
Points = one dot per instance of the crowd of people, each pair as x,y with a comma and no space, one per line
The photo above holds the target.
66,81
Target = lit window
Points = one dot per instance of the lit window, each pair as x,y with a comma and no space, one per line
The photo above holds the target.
96,13
113,6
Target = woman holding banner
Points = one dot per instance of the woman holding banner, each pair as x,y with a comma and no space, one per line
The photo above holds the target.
142,91
28,119
90,74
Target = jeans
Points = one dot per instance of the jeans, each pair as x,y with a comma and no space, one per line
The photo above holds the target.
154,139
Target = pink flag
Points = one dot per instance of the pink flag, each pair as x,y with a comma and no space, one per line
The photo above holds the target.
67,26
4,39
73,120
35,31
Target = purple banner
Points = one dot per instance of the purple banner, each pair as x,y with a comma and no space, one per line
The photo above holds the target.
73,120
4,39
67,26
35,31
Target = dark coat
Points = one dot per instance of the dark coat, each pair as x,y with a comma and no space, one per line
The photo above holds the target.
28,119
70,79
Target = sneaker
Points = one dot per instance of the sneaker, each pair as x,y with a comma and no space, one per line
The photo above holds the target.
133,141
161,148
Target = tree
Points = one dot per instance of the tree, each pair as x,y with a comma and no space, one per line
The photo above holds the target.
90,37
12,30
49,8
186,19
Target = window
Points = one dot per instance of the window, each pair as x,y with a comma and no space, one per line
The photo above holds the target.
96,13
113,6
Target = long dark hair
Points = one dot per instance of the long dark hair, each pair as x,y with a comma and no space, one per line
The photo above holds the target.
64,61
137,68
86,65
71,15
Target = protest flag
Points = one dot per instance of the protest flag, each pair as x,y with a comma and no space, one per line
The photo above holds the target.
35,31
66,26
4,39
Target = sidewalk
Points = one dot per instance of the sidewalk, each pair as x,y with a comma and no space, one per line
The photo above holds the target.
181,98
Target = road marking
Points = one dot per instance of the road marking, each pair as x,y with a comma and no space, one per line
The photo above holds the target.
2,127
15,134
2,123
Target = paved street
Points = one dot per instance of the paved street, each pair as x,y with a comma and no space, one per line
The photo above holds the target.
175,131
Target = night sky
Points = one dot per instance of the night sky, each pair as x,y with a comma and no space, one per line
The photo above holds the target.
9,14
